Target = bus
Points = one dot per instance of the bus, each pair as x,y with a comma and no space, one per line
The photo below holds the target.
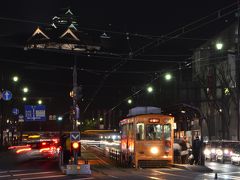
147,140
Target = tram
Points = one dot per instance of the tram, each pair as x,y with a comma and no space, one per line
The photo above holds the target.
147,139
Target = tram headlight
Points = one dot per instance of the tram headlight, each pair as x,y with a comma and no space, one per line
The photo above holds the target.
154,150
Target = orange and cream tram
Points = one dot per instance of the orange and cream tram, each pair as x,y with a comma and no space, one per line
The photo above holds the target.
147,140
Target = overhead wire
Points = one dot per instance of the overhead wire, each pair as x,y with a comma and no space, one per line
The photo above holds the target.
183,30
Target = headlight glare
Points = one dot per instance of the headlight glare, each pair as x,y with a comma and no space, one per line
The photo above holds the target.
206,152
154,150
213,151
226,151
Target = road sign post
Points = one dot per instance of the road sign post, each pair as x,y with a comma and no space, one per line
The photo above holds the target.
75,139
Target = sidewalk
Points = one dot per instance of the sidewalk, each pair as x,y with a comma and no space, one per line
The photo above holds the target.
196,168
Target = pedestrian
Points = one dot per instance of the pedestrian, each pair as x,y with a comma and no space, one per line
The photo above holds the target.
197,146
184,150
130,160
177,150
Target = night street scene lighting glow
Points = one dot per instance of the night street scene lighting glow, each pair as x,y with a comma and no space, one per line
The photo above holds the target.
39,102
129,101
219,45
150,89
168,77
15,78
25,90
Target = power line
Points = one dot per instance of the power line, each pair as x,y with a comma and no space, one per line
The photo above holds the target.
183,30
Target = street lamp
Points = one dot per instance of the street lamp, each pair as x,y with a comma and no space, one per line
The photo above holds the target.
129,101
168,77
150,89
24,99
25,89
39,101
15,78
219,45
60,118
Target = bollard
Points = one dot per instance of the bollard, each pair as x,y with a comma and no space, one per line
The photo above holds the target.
216,176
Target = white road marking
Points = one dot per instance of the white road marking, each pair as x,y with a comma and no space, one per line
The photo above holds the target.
83,178
171,174
47,172
45,177
113,176
3,176
3,172
150,177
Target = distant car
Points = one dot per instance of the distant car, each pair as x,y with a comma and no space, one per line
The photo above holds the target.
235,158
224,150
219,150
210,150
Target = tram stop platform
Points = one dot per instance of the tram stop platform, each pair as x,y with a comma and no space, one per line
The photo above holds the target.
196,168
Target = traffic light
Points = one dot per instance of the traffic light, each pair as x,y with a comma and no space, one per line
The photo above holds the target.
76,147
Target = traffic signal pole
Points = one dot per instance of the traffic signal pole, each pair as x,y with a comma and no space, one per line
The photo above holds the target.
75,108
75,86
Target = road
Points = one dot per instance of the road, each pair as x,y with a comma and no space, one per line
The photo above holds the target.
104,169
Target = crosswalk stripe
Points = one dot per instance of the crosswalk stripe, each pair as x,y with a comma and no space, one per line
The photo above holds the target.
84,178
150,177
3,176
170,174
45,177
34,173
113,176
3,172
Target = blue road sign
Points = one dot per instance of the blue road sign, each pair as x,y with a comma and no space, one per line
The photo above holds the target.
35,113
75,136
20,118
15,111
7,95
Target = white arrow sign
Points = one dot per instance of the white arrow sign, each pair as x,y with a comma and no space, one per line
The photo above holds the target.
75,136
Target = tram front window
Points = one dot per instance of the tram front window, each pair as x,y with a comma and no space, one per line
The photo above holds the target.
154,131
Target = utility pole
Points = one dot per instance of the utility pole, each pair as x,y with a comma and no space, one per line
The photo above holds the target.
75,86
238,73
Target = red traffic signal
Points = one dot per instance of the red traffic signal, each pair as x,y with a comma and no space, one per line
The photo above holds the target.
75,145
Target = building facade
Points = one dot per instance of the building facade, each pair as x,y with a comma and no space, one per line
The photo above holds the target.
216,71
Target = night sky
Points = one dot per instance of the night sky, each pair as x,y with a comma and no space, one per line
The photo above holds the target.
49,74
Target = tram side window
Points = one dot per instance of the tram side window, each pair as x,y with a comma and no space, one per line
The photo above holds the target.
140,131
124,131
130,130
154,132
167,131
